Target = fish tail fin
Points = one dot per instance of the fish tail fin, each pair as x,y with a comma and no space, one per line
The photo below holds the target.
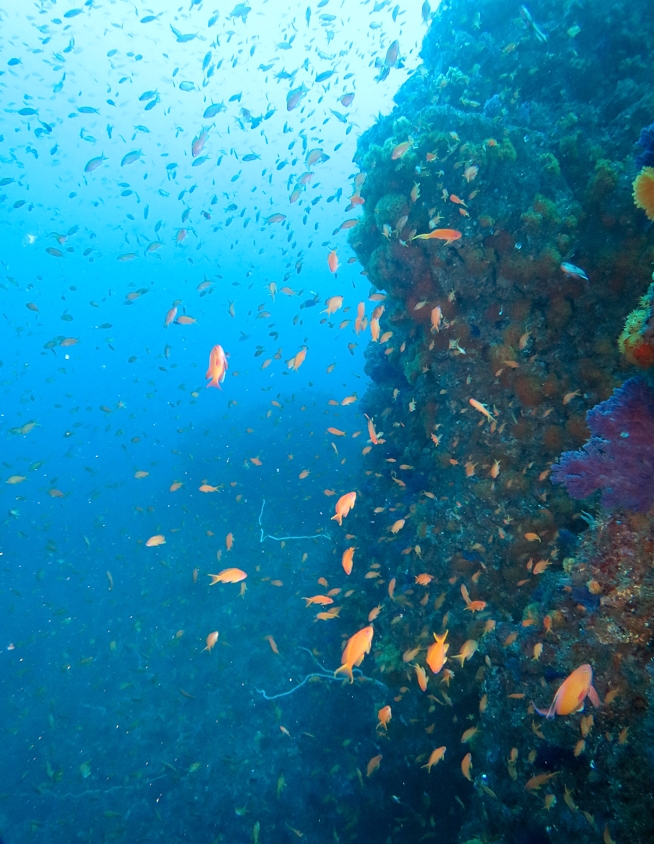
459,657
594,697
345,669
546,713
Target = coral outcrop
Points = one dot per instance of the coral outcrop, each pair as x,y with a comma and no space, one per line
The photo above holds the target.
512,146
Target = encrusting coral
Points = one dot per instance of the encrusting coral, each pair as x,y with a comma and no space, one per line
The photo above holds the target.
644,191
637,339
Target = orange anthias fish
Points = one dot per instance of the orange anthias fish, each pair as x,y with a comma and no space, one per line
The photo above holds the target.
448,235
421,677
356,648
334,303
372,433
227,576
343,506
373,765
572,693
332,261
272,643
436,318
347,560
154,541
436,653
424,579
323,600
212,638
217,367
400,150
467,651
384,716
435,758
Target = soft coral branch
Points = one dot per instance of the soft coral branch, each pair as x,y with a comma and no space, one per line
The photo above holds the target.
619,457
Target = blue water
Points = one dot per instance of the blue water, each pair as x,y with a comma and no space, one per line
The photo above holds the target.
116,723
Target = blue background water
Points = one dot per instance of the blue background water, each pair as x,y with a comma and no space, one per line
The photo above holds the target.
90,677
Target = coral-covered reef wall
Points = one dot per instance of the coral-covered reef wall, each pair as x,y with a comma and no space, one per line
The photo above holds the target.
513,147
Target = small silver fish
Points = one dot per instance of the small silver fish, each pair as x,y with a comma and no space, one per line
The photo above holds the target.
573,271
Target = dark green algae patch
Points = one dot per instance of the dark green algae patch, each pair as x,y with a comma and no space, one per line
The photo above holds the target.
522,138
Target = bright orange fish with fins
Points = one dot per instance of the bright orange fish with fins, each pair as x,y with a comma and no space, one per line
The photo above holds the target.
572,693
356,648
217,367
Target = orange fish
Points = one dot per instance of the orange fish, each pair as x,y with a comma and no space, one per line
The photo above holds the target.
297,361
325,616
436,653
229,541
401,149
373,765
424,579
361,312
227,576
374,612
572,693
435,758
356,648
272,643
334,303
217,367
374,437
170,316
448,235
384,716
208,488
319,599
482,409
185,320
347,561
212,638
155,541
336,432
421,677
467,651
539,780
332,262
472,606
466,764
343,506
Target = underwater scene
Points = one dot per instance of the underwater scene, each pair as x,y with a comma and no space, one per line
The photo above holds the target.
327,422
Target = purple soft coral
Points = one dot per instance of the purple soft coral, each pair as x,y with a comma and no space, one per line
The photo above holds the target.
646,143
619,456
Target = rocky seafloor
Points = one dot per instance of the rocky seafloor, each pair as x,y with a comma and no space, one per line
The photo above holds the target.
519,131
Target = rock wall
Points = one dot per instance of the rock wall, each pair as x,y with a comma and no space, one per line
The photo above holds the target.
513,145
